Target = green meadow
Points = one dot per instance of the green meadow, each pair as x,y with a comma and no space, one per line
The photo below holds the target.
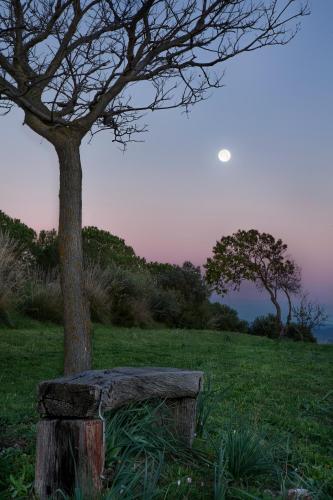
281,391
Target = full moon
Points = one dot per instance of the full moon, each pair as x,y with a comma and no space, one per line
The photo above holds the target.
224,155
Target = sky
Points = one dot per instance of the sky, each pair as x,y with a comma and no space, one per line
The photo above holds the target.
171,198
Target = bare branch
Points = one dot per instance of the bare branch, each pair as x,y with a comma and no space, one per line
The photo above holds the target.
73,63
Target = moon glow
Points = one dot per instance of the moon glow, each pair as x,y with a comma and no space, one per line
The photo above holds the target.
224,155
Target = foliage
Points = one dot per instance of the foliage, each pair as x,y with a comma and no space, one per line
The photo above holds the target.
97,287
123,289
103,248
16,473
186,287
166,307
299,332
207,400
256,257
46,250
129,297
224,318
41,296
265,326
18,231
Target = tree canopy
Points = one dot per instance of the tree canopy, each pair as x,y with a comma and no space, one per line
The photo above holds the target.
255,257
72,62
17,230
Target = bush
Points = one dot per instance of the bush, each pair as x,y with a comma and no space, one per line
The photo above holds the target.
165,307
299,333
97,285
265,326
41,298
224,318
130,294
12,275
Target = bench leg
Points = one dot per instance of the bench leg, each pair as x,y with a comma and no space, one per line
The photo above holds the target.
69,454
183,414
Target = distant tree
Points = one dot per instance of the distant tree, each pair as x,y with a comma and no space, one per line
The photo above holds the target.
104,248
309,315
17,230
99,247
46,249
256,257
186,279
188,285
72,66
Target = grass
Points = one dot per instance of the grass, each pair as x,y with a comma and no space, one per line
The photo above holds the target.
279,392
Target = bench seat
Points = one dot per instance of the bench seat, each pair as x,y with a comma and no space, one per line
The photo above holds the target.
89,394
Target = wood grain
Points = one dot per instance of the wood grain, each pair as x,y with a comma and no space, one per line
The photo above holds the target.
88,394
69,453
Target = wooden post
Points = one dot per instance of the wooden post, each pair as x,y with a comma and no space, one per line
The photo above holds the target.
183,413
69,454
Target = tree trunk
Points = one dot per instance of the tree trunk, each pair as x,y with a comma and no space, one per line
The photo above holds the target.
77,342
289,308
279,318
278,311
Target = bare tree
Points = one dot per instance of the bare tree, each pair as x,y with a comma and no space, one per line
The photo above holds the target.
309,315
74,67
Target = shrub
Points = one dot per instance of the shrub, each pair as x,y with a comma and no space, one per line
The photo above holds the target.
187,294
165,307
12,274
130,293
265,326
97,285
224,318
41,298
299,333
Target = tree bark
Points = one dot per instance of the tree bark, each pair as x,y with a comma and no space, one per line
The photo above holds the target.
77,339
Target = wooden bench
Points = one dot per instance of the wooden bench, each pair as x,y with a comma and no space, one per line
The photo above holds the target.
70,434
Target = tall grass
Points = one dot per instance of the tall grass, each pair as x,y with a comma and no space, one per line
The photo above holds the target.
246,452
97,285
40,296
